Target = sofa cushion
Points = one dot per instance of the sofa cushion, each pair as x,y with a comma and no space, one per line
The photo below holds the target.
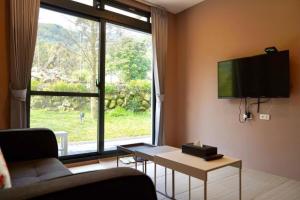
28,172
5,181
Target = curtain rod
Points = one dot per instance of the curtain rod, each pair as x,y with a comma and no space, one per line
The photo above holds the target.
150,4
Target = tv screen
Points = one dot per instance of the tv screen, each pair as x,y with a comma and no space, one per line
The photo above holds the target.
266,75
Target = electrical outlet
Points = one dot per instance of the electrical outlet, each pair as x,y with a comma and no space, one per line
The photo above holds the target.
247,116
264,117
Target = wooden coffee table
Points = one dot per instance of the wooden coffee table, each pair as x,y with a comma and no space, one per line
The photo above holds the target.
195,167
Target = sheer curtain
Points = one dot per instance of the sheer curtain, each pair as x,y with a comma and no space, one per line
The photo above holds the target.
23,31
160,41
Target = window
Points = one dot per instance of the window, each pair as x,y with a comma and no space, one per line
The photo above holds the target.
126,13
91,80
64,95
87,2
117,7
128,78
126,10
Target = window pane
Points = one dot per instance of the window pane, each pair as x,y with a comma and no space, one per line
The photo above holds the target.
70,118
66,60
87,2
66,56
123,12
128,86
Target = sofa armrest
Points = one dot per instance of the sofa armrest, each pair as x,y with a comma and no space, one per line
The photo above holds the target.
28,144
115,183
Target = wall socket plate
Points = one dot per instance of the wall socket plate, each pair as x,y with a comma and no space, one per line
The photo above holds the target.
264,117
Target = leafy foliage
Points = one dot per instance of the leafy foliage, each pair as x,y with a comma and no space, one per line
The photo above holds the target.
134,96
129,59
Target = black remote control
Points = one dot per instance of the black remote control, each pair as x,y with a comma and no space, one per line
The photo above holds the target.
213,157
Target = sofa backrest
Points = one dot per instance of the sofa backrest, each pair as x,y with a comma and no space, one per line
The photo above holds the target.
28,144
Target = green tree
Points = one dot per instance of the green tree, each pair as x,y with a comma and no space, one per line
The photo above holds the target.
129,59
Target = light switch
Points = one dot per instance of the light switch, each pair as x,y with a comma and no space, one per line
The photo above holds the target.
264,117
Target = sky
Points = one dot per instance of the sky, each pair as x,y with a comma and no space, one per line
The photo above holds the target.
51,17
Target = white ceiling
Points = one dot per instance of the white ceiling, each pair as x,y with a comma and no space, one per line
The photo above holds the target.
175,6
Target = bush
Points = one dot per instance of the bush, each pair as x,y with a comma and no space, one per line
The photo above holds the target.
58,86
62,86
139,95
111,89
118,112
56,103
134,96
139,86
35,84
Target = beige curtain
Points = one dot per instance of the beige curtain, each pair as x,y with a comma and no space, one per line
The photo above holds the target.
23,31
160,41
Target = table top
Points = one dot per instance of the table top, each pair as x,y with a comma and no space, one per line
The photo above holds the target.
132,148
183,162
149,153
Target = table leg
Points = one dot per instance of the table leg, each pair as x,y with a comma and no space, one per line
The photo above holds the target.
205,190
66,144
135,157
117,158
155,175
166,181
240,184
173,184
190,188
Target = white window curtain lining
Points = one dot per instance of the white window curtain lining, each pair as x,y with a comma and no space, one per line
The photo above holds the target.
160,42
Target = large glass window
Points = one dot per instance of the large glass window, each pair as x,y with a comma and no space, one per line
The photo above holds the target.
128,87
91,80
64,95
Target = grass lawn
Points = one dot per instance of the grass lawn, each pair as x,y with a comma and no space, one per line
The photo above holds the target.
124,125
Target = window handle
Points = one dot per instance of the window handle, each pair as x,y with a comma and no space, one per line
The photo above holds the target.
97,83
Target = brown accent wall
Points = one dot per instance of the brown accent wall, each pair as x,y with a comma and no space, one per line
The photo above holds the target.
217,30
4,64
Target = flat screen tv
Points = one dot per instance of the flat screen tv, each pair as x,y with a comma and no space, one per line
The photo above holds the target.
264,76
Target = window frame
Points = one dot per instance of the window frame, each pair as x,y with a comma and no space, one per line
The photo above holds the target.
127,8
76,8
102,16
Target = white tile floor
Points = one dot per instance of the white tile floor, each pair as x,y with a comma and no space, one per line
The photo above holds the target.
222,183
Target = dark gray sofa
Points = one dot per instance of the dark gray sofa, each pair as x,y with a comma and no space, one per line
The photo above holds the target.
36,172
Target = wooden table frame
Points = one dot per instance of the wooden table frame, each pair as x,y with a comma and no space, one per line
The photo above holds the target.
162,159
